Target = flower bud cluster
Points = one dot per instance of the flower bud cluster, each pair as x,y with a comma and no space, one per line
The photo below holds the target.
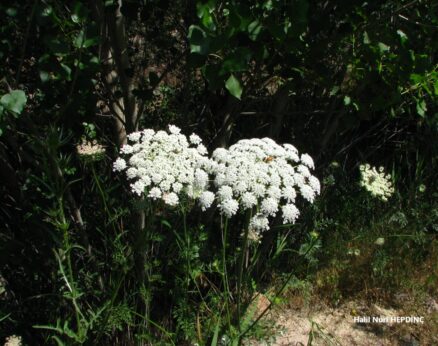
165,164
260,174
92,151
376,182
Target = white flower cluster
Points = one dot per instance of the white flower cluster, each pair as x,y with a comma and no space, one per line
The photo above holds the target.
376,182
259,173
163,165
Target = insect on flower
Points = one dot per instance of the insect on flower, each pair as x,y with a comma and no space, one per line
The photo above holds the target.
268,159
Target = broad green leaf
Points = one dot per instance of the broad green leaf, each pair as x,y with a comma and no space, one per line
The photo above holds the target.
234,87
44,76
254,29
403,36
89,42
421,108
383,47
416,78
67,71
334,90
366,38
11,12
14,101
236,61
199,42
204,12
81,41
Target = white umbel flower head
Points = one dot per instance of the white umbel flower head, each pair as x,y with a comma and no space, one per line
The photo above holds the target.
377,183
171,199
206,200
165,165
259,223
290,213
229,207
119,165
260,174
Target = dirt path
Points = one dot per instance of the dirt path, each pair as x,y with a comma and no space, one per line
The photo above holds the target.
337,326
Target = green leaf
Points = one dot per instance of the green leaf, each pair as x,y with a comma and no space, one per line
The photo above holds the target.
254,29
79,40
237,61
92,41
366,38
334,90
83,42
421,108
199,42
14,101
216,333
204,12
383,47
11,12
44,76
347,100
403,36
234,87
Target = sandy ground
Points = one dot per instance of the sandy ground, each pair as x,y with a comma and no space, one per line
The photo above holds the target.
336,326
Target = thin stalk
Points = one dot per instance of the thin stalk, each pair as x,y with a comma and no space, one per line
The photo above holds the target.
67,249
187,247
241,265
225,274
102,194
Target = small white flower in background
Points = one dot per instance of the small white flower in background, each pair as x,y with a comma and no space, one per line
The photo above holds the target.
164,165
13,340
376,182
90,150
262,174
254,236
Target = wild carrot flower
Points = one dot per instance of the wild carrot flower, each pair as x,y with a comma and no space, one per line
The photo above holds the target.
259,173
165,165
90,150
13,340
376,182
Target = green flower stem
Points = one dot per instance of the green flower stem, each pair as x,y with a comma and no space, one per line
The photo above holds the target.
224,269
241,265
187,247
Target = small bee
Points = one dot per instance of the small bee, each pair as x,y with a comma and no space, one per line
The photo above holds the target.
268,159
